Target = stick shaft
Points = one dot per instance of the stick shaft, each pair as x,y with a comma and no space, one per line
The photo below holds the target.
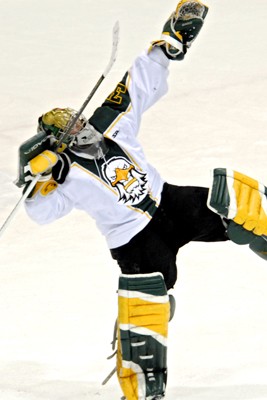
73,122
17,206
98,83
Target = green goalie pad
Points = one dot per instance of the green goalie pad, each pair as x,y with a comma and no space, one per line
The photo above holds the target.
144,312
259,246
27,151
242,201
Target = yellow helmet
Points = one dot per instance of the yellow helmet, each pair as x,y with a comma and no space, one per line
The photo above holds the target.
58,120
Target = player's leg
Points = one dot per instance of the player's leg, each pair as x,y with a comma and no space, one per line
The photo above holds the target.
242,201
183,216
145,308
144,312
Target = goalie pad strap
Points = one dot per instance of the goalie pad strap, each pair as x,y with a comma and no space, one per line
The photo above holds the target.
142,335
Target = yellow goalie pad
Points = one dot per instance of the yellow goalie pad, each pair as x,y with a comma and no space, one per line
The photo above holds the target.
251,204
240,198
143,315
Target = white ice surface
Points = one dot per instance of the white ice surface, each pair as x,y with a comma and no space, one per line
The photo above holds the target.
58,283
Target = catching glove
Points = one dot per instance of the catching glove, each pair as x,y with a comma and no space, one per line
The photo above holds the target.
182,28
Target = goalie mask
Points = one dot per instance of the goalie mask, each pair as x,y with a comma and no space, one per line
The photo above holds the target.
83,138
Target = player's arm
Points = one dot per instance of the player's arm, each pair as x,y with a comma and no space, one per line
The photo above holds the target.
48,200
146,81
52,168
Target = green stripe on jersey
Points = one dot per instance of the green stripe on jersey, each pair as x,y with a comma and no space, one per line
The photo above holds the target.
116,103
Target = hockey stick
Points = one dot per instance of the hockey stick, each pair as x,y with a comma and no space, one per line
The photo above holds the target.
112,60
17,206
73,122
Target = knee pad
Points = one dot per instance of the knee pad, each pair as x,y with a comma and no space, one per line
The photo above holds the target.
143,315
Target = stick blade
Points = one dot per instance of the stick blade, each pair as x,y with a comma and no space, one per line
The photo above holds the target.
114,51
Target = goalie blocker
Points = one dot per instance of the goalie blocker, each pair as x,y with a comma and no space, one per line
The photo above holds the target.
242,202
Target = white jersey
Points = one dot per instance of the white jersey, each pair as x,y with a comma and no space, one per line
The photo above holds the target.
122,190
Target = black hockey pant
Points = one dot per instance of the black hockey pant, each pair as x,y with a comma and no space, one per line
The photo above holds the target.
182,216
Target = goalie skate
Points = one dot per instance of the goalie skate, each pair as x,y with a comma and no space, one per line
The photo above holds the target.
154,398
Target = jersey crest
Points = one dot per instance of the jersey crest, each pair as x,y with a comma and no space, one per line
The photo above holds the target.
118,171
130,183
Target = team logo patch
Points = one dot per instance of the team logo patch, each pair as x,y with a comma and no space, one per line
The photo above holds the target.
130,183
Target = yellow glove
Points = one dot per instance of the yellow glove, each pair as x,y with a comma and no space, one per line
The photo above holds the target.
44,186
43,163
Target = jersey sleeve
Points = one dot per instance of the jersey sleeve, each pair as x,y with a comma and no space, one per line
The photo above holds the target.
46,209
140,88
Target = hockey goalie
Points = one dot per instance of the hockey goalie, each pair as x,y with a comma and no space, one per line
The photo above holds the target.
102,169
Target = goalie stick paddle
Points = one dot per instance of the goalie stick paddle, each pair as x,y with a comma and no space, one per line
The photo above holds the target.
111,62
